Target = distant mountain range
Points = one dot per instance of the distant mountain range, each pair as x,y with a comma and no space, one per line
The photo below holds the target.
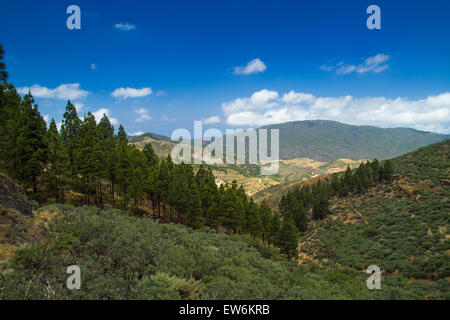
326,141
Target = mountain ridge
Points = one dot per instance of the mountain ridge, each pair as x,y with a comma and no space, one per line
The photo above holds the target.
327,141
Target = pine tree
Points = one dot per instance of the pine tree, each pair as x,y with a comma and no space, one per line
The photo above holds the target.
348,184
335,184
266,216
138,163
301,218
387,170
162,184
10,103
178,194
288,238
58,165
110,156
254,221
209,194
89,159
70,132
150,155
122,136
32,148
232,209
376,170
213,212
194,213
275,226
320,207
3,73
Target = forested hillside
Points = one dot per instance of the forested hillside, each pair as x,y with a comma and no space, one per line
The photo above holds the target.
325,140
398,219
86,163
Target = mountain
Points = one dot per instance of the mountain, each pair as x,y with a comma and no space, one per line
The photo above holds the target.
308,149
324,140
161,144
327,141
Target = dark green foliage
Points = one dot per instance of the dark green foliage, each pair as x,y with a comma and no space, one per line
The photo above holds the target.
58,165
124,257
254,224
316,197
287,239
3,73
31,150
320,207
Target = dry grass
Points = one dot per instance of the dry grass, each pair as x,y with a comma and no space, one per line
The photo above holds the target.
30,229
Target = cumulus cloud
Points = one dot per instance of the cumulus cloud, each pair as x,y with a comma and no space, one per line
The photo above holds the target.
124,26
374,64
136,133
259,100
211,120
297,97
126,93
430,114
69,91
98,115
93,66
143,115
254,66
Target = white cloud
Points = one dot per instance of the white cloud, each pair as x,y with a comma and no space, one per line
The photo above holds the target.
375,64
93,66
98,115
166,118
160,93
79,107
137,133
142,115
297,97
126,93
211,120
260,99
124,26
69,91
254,66
431,113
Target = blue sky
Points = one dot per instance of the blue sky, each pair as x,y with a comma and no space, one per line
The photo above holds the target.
235,63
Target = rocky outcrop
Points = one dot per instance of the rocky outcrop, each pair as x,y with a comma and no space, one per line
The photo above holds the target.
13,196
